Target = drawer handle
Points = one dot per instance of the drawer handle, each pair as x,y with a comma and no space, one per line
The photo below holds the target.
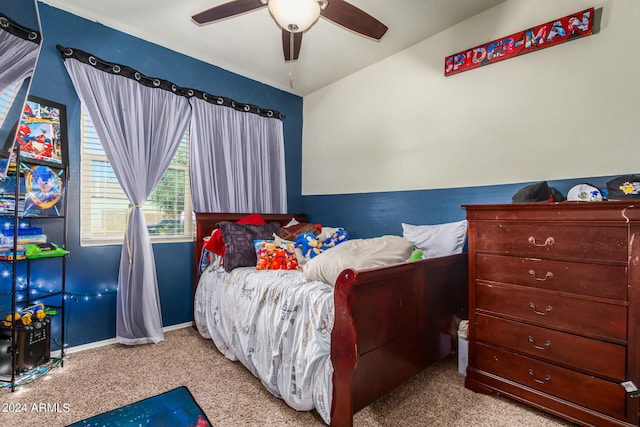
546,277
547,343
549,242
533,375
533,307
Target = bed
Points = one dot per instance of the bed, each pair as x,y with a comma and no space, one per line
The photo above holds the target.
389,323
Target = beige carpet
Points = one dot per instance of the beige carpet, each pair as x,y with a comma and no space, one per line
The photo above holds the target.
98,380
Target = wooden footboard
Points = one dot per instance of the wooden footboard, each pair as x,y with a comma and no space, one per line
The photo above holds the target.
390,324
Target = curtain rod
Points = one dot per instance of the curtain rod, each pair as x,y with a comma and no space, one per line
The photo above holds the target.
18,30
125,71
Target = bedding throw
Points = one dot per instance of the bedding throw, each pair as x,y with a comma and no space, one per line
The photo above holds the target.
278,325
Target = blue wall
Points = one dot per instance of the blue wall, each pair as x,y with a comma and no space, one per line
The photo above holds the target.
94,270
374,214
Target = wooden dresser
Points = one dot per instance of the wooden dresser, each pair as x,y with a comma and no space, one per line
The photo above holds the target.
554,307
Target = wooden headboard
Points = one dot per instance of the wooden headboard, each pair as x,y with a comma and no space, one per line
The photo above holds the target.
207,222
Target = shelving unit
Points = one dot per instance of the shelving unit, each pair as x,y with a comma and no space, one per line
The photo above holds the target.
30,341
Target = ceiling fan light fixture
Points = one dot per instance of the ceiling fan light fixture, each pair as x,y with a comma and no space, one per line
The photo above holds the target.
295,16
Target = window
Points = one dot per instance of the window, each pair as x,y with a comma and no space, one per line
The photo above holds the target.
104,207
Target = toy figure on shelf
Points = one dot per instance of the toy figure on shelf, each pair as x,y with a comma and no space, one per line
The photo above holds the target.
27,315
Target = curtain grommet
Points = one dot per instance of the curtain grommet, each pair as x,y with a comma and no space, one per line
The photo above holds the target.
92,60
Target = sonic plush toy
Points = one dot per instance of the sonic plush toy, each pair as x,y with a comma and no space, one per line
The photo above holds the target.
309,245
338,236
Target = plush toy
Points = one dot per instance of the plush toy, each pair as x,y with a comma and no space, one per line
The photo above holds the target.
325,233
309,245
338,236
416,255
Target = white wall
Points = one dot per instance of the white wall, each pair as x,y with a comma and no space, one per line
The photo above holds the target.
568,111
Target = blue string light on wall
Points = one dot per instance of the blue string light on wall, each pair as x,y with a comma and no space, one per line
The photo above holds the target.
75,296
43,288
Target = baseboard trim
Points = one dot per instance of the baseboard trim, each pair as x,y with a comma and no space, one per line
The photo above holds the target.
97,344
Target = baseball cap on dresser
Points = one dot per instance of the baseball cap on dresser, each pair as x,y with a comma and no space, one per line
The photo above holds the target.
584,193
538,192
624,187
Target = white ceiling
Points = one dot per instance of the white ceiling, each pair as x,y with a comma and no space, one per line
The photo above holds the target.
250,44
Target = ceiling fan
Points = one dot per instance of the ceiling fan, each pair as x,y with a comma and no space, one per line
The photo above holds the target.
297,16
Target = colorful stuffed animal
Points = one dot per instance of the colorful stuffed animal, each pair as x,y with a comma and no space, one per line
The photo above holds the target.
325,233
338,236
309,245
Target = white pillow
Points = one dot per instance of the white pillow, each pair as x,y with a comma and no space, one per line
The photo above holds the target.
357,254
437,240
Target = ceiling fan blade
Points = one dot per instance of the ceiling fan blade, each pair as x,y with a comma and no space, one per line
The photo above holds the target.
348,16
227,10
291,43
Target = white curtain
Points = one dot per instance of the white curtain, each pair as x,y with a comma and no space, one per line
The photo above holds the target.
236,160
140,128
17,59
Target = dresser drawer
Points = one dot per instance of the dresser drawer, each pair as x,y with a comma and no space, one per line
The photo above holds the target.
585,390
584,317
573,351
563,241
598,280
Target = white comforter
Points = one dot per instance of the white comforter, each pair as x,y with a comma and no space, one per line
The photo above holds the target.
278,325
